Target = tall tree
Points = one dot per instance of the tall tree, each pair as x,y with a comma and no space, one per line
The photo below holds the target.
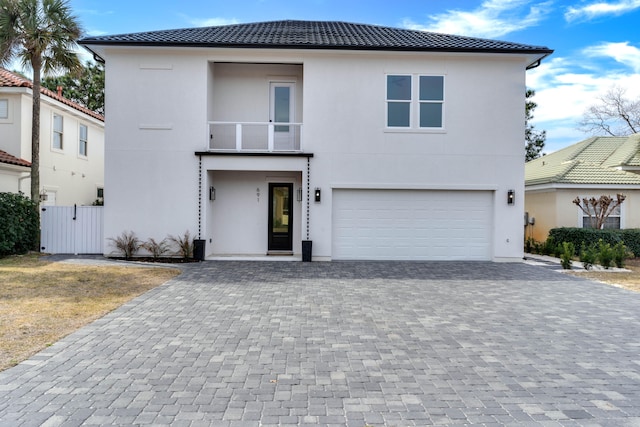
86,88
614,114
534,140
42,35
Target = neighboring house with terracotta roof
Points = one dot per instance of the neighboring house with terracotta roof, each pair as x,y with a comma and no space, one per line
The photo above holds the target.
71,143
370,142
12,171
591,168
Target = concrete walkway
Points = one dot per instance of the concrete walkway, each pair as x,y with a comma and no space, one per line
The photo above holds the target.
357,344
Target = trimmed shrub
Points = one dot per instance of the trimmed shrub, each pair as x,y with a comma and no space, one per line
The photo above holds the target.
589,236
620,253
19,224
549,246
568,251
605,254
630,237
588,255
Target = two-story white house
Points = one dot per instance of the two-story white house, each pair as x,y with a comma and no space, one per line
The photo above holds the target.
370,142
71,144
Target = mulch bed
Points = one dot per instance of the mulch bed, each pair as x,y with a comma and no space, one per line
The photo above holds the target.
165,260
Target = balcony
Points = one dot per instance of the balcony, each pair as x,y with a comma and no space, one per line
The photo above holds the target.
255,137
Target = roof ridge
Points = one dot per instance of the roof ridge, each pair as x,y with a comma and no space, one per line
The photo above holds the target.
570,165
11,79
635,139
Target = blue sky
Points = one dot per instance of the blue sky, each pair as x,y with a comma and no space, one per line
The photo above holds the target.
596,42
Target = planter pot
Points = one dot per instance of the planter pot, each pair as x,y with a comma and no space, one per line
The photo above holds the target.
306,250
198,249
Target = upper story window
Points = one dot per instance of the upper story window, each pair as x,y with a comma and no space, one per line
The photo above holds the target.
415,101
82,140
58,126
4,109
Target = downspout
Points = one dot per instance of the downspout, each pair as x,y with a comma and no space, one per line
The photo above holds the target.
537,63
20,179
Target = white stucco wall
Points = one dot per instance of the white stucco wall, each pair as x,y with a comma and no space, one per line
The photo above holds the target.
159,102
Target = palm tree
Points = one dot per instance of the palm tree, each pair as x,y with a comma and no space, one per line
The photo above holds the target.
42,35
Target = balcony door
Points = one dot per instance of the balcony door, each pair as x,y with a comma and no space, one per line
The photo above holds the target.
282,110
280,217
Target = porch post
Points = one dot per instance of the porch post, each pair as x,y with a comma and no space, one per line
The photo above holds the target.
271,137
239,136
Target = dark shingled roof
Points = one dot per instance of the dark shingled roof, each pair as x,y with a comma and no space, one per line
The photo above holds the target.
314,35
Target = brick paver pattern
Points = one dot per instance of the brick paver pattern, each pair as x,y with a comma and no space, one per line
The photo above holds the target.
345,343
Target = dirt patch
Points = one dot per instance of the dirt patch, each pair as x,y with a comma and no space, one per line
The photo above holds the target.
43,301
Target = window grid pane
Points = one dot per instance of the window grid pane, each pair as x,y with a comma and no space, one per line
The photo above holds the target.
57,132
431,88
398,114
4,108
430,115
82,145
399,88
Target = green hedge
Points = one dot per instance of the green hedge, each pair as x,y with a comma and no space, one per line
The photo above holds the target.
630,237
19,224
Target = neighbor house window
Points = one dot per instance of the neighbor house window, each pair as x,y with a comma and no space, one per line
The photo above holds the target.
422,96
612,221
57,132
82,142
4,108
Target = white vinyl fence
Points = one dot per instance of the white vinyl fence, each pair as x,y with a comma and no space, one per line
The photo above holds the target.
71,229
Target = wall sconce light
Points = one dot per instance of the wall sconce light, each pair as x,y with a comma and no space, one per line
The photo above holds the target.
317,195
511,197
300,194
212,193
43,196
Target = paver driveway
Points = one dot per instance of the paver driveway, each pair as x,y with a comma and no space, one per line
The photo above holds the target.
397,344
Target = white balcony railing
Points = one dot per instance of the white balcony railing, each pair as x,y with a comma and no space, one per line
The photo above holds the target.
254,136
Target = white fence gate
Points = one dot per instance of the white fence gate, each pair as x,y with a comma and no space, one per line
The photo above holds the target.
72,229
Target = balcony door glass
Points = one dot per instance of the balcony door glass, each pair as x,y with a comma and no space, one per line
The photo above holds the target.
282,108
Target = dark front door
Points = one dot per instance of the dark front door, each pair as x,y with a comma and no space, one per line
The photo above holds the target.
280,217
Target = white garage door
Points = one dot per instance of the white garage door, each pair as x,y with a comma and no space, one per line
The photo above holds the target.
412,225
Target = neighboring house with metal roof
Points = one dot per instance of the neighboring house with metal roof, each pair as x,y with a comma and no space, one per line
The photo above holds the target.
71,144
591,168
370,142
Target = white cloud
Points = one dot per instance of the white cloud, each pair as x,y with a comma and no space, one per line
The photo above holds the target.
597,9
622,53
211,22
494,18
566,87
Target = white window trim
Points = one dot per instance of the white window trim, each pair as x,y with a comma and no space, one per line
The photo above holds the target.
86,141
8,118
53,133
414,109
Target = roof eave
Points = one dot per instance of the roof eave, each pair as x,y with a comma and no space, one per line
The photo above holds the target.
538,54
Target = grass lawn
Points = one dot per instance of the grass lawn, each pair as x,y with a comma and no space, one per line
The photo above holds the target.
41,301
628,280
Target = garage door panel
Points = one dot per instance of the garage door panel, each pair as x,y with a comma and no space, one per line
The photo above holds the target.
408,224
